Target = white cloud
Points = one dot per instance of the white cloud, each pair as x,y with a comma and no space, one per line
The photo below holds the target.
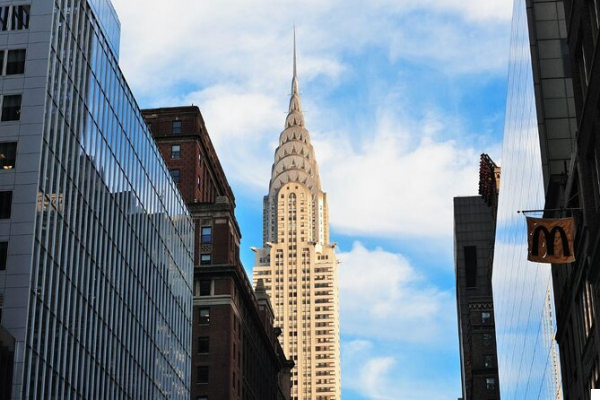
233,59
249,42
380,377
400,180
392,301
248,119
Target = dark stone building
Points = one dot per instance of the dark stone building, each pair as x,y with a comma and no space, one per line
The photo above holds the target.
474,227
7,359
236,354
576,284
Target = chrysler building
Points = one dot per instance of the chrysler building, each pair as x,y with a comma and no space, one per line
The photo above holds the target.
297,263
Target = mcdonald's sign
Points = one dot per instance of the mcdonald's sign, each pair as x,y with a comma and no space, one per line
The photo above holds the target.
550,240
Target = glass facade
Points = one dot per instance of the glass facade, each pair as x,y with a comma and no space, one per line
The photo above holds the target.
528,362
108,294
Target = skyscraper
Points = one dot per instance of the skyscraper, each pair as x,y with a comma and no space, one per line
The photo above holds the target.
538,139
298,264
474,225
96,267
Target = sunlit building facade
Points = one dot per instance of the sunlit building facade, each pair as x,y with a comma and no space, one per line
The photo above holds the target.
298,264
536,152
96,244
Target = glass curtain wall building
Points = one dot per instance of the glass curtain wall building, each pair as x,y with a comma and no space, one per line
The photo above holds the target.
528,361
96,244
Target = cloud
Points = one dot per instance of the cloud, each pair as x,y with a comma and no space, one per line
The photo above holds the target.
400,180
233,59
200,43
246,118
392,301
376,376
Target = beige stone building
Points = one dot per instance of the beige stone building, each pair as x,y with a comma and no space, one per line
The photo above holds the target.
298,264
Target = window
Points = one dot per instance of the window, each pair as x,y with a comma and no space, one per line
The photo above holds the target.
202,375
471,265
206,236
204,314
593,8
14,18
8,153
205,287
486,317
488,361
5,204
205,259
175,175
490,384
587,308
11,108
15,63
4,18
176,127
594,381
487,339
20,18
175,151
199,159
3,255
203,345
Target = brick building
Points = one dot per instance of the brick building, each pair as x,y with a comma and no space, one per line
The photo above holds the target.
236,354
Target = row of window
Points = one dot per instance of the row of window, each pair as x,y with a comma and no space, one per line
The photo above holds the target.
12,62
14,18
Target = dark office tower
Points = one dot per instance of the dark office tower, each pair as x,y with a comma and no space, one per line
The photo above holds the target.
96,266
473,251
236,354
576,285
538,140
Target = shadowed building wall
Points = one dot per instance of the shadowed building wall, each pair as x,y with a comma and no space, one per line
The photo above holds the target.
474,229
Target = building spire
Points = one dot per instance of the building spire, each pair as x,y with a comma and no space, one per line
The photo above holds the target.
295,50
295,90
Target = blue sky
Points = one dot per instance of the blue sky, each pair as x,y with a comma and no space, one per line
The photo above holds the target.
400,97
